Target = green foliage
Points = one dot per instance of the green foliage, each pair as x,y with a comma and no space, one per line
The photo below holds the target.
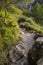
9,32
26,13
21,19
14,10
36,13
31,26
35,26
9,28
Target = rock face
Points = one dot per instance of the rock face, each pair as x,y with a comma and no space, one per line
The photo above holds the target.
36,52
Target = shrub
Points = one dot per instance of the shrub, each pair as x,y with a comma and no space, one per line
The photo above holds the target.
21,19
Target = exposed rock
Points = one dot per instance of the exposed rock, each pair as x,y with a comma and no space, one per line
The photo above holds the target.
27,52
18,54
36,52
37,35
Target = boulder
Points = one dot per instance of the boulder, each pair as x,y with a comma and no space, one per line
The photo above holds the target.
36,52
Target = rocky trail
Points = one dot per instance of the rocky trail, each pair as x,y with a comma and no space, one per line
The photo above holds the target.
18,54
21,49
